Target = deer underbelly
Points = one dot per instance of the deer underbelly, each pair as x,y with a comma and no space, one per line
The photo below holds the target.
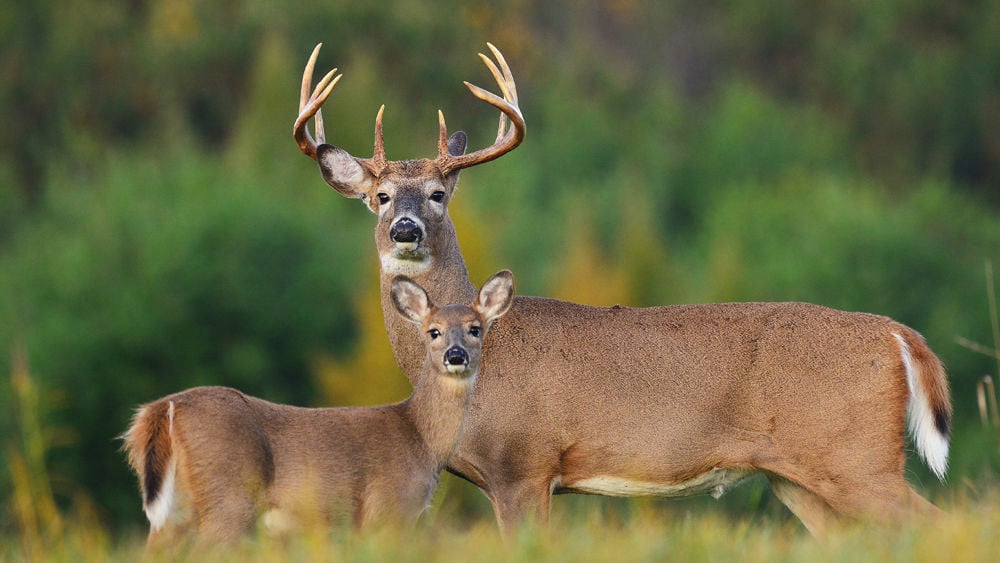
715,482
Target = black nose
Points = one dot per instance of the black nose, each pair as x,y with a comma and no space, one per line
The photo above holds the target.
405,230
456,356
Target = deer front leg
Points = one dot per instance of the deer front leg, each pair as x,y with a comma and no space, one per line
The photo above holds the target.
522,502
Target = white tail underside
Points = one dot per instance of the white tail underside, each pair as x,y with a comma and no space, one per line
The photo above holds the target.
931,444
159,510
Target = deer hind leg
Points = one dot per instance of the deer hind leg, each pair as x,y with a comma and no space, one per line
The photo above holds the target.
885,499
174,538
227,519
921,506
810,508
226,496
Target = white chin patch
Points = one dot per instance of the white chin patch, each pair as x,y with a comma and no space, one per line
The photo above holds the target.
405,263
452,368
406,246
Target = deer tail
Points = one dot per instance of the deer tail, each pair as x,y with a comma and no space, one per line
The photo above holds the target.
928,410
150,450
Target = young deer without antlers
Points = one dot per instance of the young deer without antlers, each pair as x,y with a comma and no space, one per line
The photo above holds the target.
210,460
672,400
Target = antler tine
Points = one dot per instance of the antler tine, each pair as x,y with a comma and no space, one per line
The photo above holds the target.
504,89
378,152
510,92
310,104
307,75
507,75
442,136
507,138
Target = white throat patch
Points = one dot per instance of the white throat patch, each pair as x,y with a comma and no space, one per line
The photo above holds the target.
402,263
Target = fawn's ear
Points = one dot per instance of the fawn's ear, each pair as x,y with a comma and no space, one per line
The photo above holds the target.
410,299
496,296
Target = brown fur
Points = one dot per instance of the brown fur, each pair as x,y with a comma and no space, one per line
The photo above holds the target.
237,456
813,397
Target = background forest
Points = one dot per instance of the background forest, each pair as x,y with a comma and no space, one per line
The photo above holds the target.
159,228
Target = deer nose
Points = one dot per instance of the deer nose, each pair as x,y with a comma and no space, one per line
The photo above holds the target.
456,356
406,230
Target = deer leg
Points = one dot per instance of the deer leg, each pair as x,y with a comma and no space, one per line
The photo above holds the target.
172,538
921,506
889,500
227,519
521,502
810,508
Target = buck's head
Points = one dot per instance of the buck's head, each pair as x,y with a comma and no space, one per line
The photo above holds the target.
410,197
454,334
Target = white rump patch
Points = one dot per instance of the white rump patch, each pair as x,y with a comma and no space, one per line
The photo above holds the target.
930,443
715,482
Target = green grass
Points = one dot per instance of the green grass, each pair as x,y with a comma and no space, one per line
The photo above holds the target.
967,532
746,526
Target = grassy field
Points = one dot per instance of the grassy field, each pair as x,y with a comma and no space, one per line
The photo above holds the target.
748,524
644,532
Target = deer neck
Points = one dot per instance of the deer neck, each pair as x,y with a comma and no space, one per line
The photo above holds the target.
437,410
446,281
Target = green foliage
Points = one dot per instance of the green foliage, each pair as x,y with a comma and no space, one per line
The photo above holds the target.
170,276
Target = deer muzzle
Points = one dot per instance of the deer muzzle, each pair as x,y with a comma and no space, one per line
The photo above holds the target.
406,233
456,359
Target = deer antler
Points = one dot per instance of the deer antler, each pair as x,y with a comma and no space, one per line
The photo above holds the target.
510,132
310,102
309,106
509,135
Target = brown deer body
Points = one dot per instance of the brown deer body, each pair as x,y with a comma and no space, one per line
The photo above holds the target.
211,460
668,400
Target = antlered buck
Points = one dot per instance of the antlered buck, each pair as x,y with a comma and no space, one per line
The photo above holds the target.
668,401
210,460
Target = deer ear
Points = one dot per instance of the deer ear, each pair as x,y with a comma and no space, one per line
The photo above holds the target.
343,172
410,299
457,143
496,296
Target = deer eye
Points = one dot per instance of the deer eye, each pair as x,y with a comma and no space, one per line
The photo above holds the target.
383,198
475,331
437,196
434,333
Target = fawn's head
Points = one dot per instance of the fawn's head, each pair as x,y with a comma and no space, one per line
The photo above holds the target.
454,334
410,197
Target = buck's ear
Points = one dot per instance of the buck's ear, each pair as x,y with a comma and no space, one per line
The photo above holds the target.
496,296
457,143
343,172
410,299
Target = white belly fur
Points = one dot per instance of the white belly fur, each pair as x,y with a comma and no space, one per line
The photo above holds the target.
715,482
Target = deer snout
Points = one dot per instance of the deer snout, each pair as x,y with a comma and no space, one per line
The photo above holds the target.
456,359
406,233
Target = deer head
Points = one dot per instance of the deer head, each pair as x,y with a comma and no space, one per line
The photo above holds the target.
454,334
410,197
